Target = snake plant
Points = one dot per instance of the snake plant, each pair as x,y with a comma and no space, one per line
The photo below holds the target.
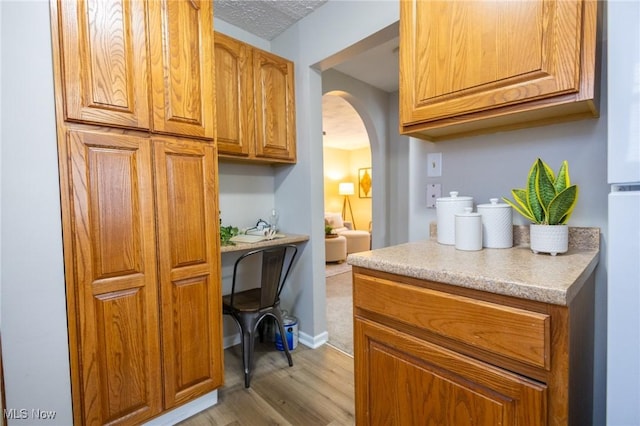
548,199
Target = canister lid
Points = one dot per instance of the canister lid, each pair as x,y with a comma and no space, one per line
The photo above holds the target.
453,198
467,213
494,205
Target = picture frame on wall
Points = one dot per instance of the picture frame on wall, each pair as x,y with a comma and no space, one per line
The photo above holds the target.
364,182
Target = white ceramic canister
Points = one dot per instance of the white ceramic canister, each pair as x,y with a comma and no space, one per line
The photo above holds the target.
468,230
497,224
446,208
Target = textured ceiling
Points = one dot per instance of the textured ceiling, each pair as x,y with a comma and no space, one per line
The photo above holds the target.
376,66
341,125
266,18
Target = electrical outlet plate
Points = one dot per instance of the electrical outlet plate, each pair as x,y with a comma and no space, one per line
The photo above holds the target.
434,164
434,191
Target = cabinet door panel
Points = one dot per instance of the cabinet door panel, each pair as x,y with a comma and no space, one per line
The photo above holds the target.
115,287
274,100
104,53
181,38
186,176
234,96
120,331
404,380
463,57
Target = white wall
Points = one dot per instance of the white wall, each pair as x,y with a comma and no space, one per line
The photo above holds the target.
245,195
1,370
34,327
400,184
320,35
240,34
491,165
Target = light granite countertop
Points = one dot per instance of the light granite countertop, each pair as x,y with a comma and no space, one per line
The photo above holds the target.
284,239
513,272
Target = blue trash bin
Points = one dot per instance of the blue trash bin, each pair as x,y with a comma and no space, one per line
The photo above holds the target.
290,325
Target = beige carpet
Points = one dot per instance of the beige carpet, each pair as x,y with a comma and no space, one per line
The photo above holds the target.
340,311
333,268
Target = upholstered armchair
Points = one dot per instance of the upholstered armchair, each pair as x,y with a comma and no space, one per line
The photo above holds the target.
356,240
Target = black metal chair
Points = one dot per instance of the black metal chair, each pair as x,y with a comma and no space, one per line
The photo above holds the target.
249,307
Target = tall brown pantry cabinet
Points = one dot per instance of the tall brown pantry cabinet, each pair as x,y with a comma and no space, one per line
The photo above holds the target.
138,172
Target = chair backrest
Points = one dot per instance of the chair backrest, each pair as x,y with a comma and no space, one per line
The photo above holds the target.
276,264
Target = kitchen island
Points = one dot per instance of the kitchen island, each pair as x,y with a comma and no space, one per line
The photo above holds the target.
497,336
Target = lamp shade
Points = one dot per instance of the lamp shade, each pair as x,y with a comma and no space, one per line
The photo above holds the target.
346,188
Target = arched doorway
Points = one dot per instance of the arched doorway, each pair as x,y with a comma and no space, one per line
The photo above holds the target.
346,161
374,106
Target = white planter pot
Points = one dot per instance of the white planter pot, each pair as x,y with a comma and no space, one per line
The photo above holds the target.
552,239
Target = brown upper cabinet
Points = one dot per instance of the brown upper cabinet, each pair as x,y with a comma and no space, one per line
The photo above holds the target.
234,96
255,103
137,64
481,66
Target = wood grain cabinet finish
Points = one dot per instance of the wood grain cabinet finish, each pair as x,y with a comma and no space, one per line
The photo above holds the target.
181,46
138,177
138,64
455,389
114,296
275,106
473,67
437,354
103,50
188,247
235,110
146,289
255,103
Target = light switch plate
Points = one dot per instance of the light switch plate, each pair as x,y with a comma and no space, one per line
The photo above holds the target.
434,191
434,164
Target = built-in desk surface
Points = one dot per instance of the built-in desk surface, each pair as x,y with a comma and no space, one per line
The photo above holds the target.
286,239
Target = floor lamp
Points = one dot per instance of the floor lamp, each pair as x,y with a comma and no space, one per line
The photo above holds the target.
346,189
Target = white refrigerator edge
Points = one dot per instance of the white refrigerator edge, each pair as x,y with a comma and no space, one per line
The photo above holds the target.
623,245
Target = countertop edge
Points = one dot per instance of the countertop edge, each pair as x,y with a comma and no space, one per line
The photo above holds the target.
562,297
288,239
583,258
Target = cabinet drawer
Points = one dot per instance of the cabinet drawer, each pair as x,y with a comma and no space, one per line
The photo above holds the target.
510,332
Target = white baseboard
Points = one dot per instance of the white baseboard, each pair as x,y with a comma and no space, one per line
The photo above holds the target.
185,411
313,342
231,340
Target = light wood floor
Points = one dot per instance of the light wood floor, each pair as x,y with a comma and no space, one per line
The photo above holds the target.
317,390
